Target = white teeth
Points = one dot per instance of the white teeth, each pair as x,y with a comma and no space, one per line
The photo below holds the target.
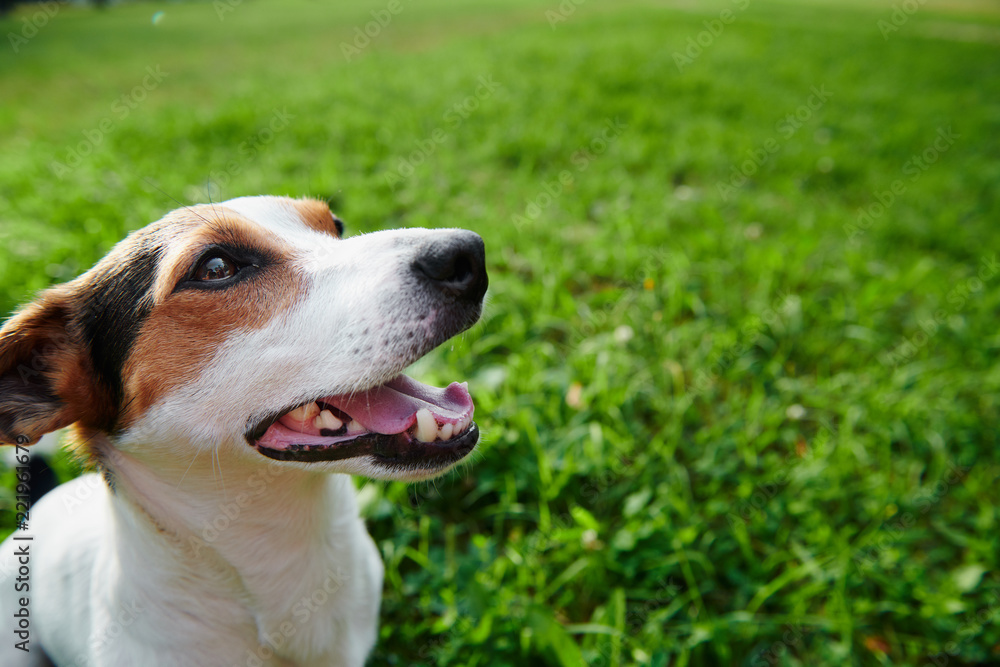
327,420
427,429
305,412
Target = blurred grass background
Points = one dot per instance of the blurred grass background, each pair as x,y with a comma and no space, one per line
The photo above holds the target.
727,420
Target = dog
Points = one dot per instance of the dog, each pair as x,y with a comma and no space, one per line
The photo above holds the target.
226,369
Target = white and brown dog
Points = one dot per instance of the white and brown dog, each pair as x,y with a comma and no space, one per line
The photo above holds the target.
217,366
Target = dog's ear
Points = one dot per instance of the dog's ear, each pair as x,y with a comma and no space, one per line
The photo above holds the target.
45,377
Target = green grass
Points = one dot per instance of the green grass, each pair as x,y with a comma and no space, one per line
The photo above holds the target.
706,440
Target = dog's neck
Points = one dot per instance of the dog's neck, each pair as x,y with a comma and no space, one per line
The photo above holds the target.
261,537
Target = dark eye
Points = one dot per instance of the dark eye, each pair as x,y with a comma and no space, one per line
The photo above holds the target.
215,267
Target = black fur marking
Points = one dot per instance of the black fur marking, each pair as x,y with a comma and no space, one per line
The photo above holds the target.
43,478
24,401
109,478
113,313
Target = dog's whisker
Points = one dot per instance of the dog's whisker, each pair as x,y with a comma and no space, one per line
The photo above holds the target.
186,207
222,480
187,470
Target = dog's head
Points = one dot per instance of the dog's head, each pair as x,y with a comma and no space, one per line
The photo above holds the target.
252,327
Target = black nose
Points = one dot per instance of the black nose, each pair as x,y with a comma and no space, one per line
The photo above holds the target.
455,265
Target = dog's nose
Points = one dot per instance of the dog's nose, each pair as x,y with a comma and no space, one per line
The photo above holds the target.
455,265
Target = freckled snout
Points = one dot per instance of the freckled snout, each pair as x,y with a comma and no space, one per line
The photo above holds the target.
454,265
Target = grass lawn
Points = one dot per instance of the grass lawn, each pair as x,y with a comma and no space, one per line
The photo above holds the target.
737,377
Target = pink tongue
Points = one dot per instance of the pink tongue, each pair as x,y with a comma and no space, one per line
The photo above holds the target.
392,407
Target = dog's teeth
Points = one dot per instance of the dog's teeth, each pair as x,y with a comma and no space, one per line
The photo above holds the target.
427,429
305,412
327,419
354,427
446,431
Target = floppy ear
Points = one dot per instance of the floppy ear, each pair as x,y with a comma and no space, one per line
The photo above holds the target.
45,377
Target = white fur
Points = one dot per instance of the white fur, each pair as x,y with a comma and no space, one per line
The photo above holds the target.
206,548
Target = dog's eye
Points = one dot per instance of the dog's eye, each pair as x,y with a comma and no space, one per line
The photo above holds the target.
215,267
221,268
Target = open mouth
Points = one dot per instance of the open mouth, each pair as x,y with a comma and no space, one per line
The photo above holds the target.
402,423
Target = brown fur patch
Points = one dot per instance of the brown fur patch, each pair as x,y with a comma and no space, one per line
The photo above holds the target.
316,215
46,382
186,327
